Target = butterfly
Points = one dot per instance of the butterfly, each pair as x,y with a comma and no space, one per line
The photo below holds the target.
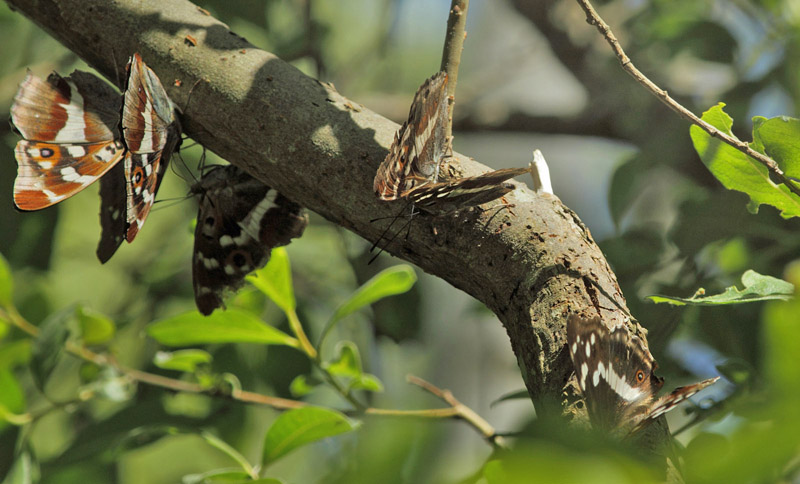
151,133
615,372
70,131
411,169
239,222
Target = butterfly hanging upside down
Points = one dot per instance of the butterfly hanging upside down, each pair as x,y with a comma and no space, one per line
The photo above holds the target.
411,169
73,135
615,372
239,222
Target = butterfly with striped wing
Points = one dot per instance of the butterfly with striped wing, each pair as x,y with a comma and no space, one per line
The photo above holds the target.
411,169
239,222
71,130
615,372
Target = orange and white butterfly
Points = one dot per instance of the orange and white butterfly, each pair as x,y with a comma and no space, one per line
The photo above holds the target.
71,130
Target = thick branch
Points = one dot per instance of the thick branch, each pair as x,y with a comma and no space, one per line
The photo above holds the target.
531,264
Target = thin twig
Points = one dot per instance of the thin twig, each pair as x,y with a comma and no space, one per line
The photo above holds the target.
451,53
456,409
593,18
461,411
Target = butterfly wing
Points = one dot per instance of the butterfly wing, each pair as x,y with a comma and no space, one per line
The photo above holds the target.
151,132
671,400
419,146
614,371
69,126
239,222
113,203
456,194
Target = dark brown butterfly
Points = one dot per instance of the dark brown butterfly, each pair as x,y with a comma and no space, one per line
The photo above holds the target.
239,222
615,372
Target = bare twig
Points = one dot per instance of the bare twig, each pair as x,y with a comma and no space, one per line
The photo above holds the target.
456,409
451,54
461,411
593,18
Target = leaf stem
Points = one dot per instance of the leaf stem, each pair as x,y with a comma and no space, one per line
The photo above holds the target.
297,329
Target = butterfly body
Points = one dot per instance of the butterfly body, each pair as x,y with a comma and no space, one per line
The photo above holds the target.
239,222
615,373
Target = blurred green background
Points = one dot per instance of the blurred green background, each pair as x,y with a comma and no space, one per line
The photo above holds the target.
533,75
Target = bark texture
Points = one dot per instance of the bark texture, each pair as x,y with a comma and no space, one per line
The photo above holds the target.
532,264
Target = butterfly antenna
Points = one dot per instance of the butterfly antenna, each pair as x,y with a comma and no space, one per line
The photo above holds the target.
201,163
386,230
187,173
117,81
158,205
407,226
189,97
394,237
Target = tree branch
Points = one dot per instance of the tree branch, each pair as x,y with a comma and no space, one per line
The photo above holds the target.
451,53
593,18
531,266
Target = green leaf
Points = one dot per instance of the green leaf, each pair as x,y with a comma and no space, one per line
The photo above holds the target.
182,360
6,284
626,185
231,326
389,282
780,139
49,344
782,337
15,353
227,476
95,328
137,437
275,280
367,382
757,287
298,427
737,171
516,395
302,385
494,473
23,471
347,362
12,397
234,454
